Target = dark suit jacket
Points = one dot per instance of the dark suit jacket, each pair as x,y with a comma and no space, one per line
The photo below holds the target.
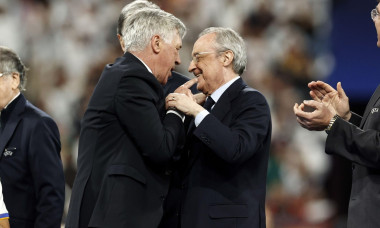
126,141
30,167
175,81
223,182
359,142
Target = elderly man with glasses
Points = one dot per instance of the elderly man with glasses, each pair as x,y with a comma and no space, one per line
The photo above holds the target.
220,180
30,166
355,138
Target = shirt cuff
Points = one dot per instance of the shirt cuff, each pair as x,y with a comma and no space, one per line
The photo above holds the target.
198,118
177,113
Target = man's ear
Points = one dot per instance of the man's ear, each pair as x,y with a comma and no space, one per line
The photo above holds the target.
15,80
121,41
228,57
156,44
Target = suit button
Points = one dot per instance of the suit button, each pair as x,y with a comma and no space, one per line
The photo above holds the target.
353,167
183,186
162,197
168,172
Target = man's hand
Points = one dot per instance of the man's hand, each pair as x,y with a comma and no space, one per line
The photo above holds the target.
4,223
323,92
317,120
185,88
184,103
200,98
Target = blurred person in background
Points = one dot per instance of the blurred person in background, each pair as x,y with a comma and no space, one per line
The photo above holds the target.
354,137
176,79
221,179
30,167
126,138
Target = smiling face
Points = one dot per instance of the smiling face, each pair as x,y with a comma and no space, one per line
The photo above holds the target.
169,57
207,65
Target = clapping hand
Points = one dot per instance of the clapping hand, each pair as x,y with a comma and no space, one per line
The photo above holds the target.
323,92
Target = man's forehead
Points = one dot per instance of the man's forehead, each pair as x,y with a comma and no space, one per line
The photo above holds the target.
177,40
203,43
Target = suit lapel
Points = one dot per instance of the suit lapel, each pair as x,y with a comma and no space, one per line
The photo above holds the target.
11,124
223,106
371,103
220,109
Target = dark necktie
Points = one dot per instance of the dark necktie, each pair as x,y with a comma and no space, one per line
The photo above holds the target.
209,103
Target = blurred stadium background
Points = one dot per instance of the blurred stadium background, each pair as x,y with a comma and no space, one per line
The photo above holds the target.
66,43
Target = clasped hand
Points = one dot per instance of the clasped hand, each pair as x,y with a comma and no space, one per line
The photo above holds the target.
183,99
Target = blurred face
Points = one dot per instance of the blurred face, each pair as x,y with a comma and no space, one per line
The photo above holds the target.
168,59
207,65
8,88
376,20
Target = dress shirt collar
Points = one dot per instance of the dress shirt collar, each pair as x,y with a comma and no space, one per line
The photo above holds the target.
14,98
145,65
219,92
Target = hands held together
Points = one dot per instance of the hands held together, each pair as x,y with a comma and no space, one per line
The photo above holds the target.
183,99
326,103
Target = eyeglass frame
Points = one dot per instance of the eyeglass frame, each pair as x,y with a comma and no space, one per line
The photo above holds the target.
374,13
2,74
195,58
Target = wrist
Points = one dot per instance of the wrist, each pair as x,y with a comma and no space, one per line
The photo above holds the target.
331,123
347,117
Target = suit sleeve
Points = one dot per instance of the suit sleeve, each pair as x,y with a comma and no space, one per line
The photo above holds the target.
355,119
135,104
246,134
47,172
354,144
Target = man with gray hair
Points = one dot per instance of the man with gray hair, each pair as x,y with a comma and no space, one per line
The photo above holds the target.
31,169
176,79
221,179
127,138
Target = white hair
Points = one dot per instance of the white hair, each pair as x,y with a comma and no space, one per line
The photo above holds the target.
10,62
140,27
228,39
129,9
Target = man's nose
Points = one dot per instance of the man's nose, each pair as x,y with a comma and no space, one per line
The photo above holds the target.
192,66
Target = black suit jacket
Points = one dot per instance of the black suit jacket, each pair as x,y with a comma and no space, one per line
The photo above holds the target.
359,142
223,182
126,141
30,166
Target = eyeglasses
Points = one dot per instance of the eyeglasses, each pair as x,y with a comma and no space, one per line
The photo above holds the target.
2,74
374,13
199,54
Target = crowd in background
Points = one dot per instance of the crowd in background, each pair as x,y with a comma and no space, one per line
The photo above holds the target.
66,44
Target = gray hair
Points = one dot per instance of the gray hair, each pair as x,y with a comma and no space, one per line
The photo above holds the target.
228,39
129,9
140,27
10,63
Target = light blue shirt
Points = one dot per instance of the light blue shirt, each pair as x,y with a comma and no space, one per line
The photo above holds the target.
215,96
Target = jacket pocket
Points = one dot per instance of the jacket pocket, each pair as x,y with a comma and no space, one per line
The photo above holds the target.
228,211
128,171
